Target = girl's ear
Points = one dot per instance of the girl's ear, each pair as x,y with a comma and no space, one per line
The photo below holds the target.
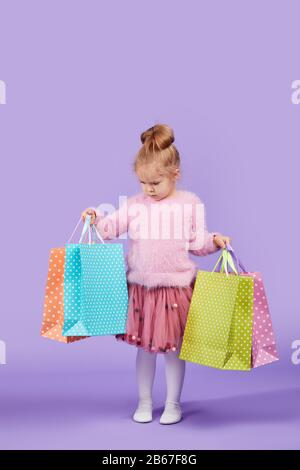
177,173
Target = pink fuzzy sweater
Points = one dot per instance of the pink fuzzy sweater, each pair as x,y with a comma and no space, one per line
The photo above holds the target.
162,233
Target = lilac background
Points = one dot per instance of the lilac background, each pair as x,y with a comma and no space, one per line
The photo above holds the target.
84,79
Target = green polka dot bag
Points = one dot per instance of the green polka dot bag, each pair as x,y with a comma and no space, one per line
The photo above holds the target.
218,331
95,286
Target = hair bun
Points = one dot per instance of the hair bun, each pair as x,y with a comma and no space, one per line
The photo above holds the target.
157,137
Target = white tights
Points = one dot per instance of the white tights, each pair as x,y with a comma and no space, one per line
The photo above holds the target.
145,371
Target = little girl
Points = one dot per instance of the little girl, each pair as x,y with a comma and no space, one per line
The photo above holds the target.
160,274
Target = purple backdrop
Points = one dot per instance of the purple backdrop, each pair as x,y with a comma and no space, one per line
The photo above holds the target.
83,80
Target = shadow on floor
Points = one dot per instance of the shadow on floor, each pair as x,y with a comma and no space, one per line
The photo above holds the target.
271,406
53,410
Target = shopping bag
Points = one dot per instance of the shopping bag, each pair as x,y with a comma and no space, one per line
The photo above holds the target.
264,350
218,331
95,288
53,313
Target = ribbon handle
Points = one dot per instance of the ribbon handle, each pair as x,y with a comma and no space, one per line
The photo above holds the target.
87,227
236,259
224,260
96,234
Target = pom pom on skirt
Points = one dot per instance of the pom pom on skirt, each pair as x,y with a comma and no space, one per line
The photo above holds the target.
157,316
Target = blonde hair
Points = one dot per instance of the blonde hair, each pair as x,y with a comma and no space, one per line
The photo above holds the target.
158,149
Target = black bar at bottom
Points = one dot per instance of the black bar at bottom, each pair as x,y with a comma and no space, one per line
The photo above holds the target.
138,458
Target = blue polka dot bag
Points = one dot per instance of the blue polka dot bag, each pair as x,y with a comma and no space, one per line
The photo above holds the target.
95,286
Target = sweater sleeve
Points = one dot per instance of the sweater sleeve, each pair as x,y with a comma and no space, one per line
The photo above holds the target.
114,224
201,240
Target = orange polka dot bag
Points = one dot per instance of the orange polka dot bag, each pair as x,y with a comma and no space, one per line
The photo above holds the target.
53,314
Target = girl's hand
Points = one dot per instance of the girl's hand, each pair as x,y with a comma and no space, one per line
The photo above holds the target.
221,240
91,212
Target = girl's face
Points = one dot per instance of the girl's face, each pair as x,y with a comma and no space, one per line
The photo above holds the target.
156,185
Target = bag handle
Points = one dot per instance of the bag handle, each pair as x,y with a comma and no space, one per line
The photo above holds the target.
96,234
236,259
228,257
92,232
225,259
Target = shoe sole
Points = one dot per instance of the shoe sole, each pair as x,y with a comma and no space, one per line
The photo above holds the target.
172,422
137,420
146,421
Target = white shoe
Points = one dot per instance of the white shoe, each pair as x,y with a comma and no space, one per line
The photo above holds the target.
172,413
143,413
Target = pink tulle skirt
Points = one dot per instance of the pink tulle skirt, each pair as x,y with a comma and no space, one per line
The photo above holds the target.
156,316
